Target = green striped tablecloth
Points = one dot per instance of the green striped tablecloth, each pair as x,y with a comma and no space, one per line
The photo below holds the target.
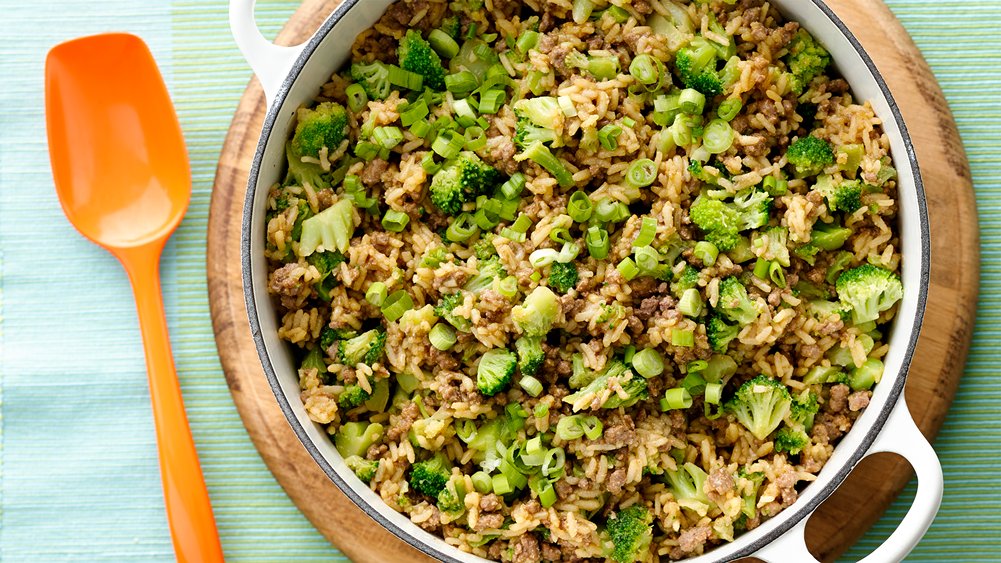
78,473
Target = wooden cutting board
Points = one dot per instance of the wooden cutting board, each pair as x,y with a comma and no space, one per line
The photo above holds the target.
935,373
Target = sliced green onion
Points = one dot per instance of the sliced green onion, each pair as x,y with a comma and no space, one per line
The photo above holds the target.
541,410
508,287
482,482
714,393
692,101
592,427
396,304
536,276
523,223
706,252
357,98
608,136
681,131
428,163
531,385
761,269
567,254
644,69
648,363
666,109
582,10
461,83
395,221
597,242
442,336
527,41
414,112
719,367
465,430
461,229
543,257
648,231
376,294
718,136
776,274
405,78
627,268
647,259
449,144
544,489
421,128
608,210
628,354
690,303
641,173
366,150
579,207
514,186
569,428
560,234
511,234
729,108
476,138
603,68
775,186
567,106
675,399
465,115
492,100
554,461
500,484
684,338
443,44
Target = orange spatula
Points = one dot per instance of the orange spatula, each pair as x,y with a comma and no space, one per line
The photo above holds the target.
121,171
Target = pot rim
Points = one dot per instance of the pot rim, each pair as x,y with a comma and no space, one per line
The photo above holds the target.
788,518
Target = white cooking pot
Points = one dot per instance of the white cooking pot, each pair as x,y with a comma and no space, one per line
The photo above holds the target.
292,76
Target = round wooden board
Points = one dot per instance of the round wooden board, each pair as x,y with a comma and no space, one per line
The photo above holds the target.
935,373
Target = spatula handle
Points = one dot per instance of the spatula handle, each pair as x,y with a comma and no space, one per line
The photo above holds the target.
189,512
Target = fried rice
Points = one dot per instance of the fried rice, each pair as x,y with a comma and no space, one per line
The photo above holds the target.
731,316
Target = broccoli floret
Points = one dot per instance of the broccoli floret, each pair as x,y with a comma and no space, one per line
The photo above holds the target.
484,248
434,257
487,271
326,262
687,484
696,66
452,26
760,405
541,155
495,371
364,468
373,78
430,476
734,303
314,360
810,156
868,291
719,222
445,308
451,499
626,392
806,60
580,376
302,173
631,532
804,409
329,230
563,277
530,354
687,279
527,133
416,55
846,198
330,335
719,332
807,253
749,484
324,126
754,206
355,438
536,315
773,245
365,348
791,440
352,396
460,181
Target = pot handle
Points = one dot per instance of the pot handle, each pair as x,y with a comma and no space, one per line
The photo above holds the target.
271,63
901,436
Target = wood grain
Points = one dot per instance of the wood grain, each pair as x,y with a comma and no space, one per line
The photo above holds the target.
935,373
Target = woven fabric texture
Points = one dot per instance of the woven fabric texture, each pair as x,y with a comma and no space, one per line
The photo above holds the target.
78,467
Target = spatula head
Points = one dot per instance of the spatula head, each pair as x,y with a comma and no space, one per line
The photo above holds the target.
118,156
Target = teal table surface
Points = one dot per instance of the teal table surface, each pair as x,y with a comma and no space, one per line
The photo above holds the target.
78,472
